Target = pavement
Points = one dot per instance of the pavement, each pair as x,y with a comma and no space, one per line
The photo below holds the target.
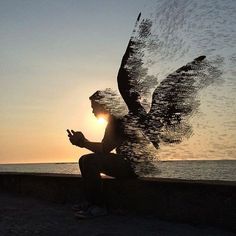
21,215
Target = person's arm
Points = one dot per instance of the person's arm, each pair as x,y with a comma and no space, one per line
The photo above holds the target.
93,146
78,139
97,147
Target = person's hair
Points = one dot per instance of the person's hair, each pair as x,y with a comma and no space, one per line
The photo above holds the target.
97,96
110,100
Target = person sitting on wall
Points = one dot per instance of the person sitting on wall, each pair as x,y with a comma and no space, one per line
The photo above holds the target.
101,160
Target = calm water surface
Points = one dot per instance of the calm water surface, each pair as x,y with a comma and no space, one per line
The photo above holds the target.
192,170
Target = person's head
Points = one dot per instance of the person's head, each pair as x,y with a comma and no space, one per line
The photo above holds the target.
106,103
98,108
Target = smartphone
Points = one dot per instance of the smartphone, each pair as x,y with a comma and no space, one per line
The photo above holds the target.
69,133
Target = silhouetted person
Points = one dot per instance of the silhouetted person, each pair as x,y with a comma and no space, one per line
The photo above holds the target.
101,160
173,101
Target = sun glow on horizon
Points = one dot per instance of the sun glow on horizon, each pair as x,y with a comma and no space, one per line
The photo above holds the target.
101,120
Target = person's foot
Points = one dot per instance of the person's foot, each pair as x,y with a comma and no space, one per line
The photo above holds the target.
82,206
91,212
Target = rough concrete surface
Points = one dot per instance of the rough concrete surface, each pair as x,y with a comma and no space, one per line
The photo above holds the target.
21,215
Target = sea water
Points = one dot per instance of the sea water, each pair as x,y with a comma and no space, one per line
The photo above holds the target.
189,170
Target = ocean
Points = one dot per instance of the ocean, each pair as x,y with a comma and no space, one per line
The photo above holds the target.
189,170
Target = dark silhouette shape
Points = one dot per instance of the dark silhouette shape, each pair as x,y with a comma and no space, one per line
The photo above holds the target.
173,101
101,160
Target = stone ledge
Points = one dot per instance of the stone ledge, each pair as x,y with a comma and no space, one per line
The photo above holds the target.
154,179
204,202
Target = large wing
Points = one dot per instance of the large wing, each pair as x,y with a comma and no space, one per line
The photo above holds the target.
129,73
175,99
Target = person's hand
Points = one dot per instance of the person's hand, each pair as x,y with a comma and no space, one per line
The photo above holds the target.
76,138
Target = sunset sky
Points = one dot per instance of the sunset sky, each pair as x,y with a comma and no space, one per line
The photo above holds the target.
54,55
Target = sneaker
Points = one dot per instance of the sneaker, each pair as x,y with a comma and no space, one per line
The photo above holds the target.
92,212
83,206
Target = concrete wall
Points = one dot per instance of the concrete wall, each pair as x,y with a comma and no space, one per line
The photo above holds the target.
204,202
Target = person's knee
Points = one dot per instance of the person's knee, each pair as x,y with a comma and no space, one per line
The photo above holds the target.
87,160
82,160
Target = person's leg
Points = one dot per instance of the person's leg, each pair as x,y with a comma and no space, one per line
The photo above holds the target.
116,166
93,164
90,167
